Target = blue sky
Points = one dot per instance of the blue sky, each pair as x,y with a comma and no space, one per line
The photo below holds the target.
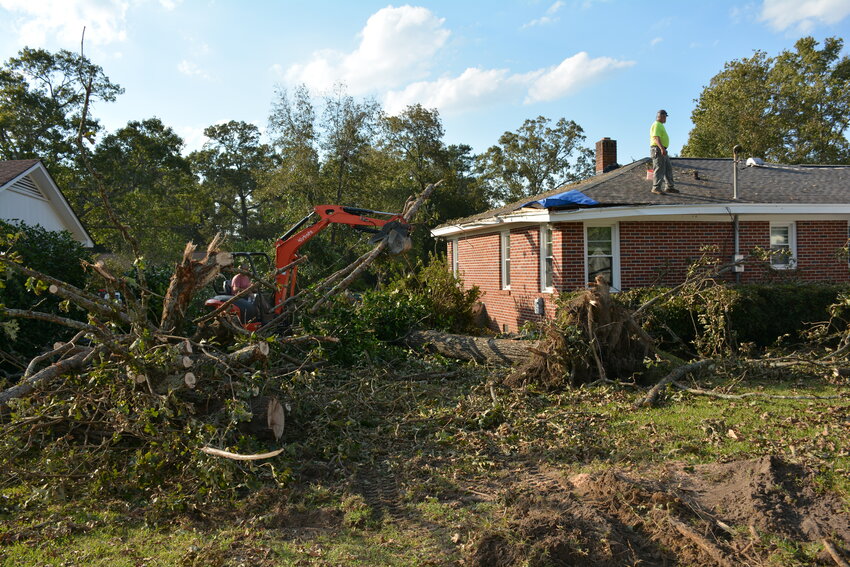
609,65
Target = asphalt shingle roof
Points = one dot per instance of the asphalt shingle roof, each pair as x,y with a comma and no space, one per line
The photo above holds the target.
706,181
12,168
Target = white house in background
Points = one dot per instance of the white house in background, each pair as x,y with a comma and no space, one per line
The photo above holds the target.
28,194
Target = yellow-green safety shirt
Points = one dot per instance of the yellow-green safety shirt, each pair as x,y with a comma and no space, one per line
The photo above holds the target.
658,129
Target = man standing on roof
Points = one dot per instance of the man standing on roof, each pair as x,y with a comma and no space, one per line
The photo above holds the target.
659,141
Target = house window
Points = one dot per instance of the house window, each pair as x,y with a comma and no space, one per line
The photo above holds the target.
454,256
506,260
547,259
783,246
601,253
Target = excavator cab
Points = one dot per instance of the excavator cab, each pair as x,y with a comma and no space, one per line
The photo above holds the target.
253,309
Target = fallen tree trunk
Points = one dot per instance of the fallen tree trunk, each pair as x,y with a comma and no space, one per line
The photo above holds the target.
505,352
678,372
72,364
189,276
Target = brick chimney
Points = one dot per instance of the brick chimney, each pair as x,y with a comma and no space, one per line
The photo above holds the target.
606,155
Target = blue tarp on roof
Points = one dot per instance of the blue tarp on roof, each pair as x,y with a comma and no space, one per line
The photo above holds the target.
572,197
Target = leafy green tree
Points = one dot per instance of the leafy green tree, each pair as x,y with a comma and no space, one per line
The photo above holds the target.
793,108
349,133
414,141
536,158
41,100
735,109
150,186
232,165
812,100
295,184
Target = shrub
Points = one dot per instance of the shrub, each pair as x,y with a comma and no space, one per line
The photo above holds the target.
56,254
431,298
448,306
752,313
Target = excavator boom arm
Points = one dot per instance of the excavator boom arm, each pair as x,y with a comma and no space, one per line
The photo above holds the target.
286,248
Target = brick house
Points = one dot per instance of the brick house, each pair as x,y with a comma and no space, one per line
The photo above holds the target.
612,225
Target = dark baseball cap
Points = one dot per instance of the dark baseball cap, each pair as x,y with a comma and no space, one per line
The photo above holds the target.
662,111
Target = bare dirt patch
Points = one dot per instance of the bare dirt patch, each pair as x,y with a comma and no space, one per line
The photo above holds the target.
741,513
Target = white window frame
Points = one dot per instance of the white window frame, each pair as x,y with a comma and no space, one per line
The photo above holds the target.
505,259
792,244
455,263
544,229
615,253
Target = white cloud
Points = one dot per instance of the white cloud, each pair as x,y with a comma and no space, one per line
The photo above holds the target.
476,88
548,18
190,69
397,45
655,41
193,138
571,75
471,89
803,15
38,20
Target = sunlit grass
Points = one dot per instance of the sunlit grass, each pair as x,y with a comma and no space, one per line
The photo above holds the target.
439,440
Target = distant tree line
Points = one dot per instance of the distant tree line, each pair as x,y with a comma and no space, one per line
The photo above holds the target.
334,148
330,148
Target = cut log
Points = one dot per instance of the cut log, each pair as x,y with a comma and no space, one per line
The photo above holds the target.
267,418
275,418
505,352
249,354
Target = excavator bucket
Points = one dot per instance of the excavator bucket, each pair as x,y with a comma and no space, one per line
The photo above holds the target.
397,235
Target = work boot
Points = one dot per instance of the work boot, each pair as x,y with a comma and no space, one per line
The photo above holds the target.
672,190
657,191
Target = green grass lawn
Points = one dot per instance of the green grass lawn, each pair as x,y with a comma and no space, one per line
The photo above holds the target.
391,471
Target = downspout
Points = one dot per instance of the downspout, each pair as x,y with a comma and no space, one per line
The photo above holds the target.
738,268
735,226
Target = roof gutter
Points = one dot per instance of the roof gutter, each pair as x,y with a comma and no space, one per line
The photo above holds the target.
836,211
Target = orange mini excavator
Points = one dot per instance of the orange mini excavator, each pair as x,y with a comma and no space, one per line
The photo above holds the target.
256,309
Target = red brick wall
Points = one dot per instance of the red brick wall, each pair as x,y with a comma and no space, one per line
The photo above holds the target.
818,245
651,253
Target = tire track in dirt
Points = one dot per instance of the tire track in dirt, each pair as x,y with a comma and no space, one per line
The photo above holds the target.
379,489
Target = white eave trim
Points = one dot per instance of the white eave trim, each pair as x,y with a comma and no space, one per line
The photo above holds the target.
44,181
705,213
9,184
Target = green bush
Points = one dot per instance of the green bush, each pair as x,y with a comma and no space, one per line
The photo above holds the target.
54,254
428,298
758,314
763,313
448,307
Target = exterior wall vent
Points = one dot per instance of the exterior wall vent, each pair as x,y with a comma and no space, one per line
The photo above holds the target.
27,187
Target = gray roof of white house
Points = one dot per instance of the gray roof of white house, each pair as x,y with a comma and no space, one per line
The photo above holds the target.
10,169
704,181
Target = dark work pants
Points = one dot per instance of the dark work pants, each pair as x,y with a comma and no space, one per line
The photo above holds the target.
662,169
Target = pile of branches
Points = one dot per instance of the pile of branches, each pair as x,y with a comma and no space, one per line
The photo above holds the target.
134,404
591,338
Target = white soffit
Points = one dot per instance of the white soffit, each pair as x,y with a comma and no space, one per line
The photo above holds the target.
694,213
